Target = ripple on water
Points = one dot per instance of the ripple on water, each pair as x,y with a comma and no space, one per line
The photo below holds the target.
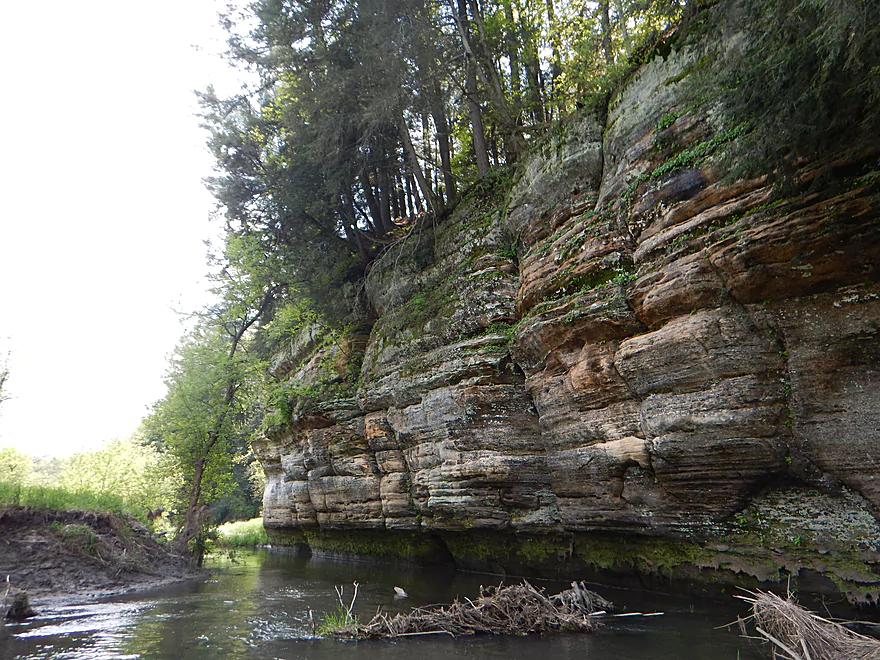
79,619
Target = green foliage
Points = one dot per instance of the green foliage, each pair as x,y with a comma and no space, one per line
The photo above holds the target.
139,475
4,376
314,163
695,154
77,536
508,251
15,467
687,157
242,534
491,190
668,119
504,328
288,319
589,73
123,477
61,499
807,75
206,412
338,622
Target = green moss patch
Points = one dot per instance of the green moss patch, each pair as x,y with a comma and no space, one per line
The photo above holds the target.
407,546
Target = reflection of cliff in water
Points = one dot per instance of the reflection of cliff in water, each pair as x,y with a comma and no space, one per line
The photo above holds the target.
258,609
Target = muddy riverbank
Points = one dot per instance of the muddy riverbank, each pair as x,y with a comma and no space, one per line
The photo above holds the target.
72,556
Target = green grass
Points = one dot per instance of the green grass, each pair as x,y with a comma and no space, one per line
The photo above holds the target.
60,499
242,534
78,536
339,623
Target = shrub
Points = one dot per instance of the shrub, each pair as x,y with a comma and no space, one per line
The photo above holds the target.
242,534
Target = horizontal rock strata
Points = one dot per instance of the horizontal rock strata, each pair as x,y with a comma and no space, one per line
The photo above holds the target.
598,368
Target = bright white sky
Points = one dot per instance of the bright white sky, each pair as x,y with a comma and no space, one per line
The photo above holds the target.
102,210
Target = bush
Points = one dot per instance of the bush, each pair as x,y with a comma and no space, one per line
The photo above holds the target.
242,534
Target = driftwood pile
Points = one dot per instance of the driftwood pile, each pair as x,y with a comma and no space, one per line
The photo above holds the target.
517,609
797,634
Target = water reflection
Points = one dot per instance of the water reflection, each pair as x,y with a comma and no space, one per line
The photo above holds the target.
259,608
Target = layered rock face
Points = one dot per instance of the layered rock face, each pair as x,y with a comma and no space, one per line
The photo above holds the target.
616,361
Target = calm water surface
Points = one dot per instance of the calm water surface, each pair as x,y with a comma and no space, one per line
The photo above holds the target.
258,608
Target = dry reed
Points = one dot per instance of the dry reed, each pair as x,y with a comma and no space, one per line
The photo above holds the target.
797,634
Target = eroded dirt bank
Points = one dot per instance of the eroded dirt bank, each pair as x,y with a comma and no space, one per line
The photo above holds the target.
75,555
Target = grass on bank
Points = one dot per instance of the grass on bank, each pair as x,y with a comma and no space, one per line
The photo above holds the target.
242,534
55,498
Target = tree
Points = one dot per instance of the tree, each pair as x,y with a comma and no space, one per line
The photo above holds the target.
4,376
140,475
15,467
202,423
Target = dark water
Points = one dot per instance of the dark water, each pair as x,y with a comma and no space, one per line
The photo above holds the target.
258,608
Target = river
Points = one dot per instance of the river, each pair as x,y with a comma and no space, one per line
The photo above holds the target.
258,608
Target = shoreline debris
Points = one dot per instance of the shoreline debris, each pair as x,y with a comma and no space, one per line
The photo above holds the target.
16,604
798,634
517,609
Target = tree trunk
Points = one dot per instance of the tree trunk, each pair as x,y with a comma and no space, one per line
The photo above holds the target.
555,62
510,43
605,26
194,517
536,101
192,522
484,68
384,191
481,151
372,202
621,21
349,223
415,168
400,191
414,193
438,112
395,202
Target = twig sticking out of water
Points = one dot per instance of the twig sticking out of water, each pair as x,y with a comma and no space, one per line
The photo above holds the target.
797,634
340,592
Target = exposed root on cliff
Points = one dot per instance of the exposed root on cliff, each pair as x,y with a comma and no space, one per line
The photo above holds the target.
517,609
797,634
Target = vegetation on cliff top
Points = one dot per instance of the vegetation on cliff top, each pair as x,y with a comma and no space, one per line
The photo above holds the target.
367,113
370,114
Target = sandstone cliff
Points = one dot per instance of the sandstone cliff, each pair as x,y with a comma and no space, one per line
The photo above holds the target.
612,360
